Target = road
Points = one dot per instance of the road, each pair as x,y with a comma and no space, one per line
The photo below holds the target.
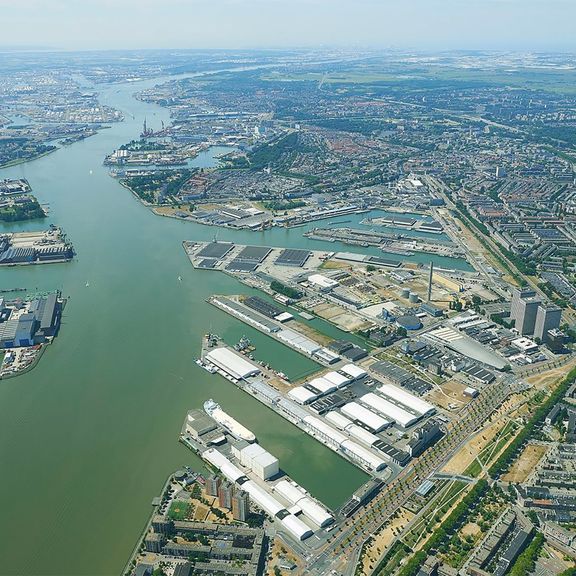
352,535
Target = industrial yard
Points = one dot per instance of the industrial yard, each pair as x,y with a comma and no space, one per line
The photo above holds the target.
26,327
49,246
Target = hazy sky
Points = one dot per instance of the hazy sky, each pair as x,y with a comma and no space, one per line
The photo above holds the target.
71,24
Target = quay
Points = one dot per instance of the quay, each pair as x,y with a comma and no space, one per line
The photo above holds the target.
258,380
391,243
252,469
276,329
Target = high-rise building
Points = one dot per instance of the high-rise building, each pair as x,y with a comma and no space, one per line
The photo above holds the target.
523,310
548,317
212,485
240,505
556,340
225,495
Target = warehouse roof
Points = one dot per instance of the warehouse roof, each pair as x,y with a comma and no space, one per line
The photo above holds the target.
358,452
361,414
323,428
409,400
298,341
390,410
362,434
323,385
353,371
220,461
302,395
232,363
337,379
296,527
262,499
338,419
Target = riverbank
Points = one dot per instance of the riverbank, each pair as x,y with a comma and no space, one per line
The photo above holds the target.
124,357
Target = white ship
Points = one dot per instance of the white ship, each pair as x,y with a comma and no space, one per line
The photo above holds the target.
225,420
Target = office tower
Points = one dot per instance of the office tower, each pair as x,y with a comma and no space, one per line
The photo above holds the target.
523,309
548,317
225,495
240,505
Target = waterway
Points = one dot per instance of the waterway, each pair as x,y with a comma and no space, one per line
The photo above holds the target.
89,436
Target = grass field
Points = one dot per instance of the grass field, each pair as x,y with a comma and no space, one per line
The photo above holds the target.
180,510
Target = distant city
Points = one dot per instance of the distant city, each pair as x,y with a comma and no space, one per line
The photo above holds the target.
403,224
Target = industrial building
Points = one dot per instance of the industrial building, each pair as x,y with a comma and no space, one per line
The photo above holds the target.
321,385
400,396
36,323
338,379
258,460
365,417
231,363
261,498
298,497
246,314
302,395
390,411
322,283
423,437
341,443
298,341
353,371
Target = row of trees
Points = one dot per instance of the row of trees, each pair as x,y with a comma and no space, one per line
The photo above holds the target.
445,531
30,210
287,291
538,416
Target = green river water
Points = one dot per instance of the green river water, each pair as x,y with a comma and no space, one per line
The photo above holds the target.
89,436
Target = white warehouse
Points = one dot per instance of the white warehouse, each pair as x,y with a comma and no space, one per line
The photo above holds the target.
339,380
296,527
323,283
298,341
298,497
409,400
358,413
341,443
338,419
322,385
389,410
302,395
231,363
362,455
261,462
353,371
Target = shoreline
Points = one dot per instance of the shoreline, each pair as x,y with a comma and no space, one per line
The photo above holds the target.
19,161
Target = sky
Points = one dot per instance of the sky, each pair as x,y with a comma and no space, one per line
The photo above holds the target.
422,24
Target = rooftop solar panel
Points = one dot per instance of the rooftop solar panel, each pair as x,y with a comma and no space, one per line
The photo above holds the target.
216,250
207,263
254,253
291,257
242,266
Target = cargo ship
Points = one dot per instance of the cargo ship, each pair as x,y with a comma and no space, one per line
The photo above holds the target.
226,421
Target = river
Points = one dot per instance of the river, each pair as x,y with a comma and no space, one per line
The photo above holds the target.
89,436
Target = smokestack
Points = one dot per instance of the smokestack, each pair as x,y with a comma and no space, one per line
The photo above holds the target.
430,281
